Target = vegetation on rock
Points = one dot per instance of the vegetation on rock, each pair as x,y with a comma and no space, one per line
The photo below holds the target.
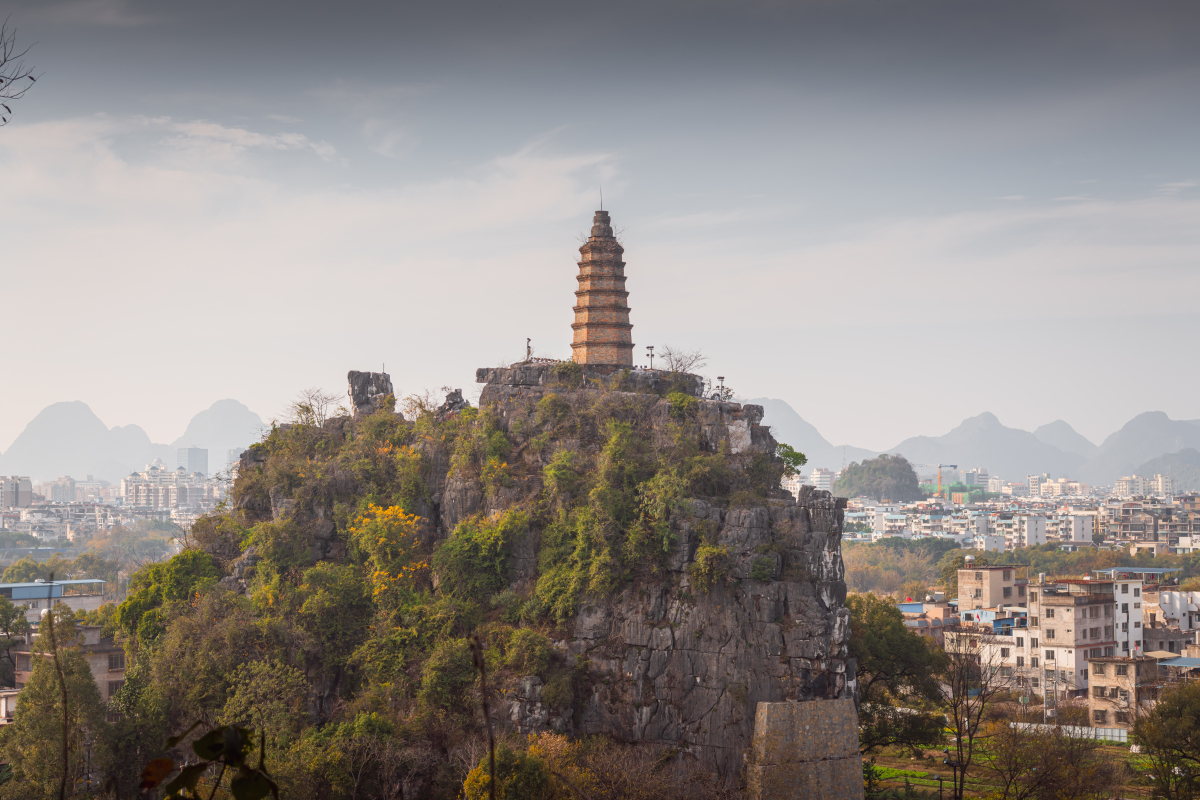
888,477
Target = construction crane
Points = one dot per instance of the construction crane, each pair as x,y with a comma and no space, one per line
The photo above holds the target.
939,473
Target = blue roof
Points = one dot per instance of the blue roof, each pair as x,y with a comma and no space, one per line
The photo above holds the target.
1190,663
1138,570
49,583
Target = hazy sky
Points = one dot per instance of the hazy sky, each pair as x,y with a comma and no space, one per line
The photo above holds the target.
891,214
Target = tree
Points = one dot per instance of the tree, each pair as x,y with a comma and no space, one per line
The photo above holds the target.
29,569
676,359
33,744
969,683
314,406
1170,734
896,671
12,624
886,477
15,78
792,459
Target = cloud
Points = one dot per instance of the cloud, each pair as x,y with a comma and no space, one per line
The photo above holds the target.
211,140
1176,187
91,13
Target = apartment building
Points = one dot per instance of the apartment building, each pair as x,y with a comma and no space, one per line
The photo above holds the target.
105,658
1137,486
991,587
1121,689
15,491
822,478
157,487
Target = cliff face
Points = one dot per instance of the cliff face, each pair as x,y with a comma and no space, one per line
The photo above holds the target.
685,667
674,580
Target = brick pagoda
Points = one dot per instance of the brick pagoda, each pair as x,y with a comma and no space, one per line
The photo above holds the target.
603,335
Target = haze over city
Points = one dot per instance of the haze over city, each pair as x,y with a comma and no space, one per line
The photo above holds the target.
891,216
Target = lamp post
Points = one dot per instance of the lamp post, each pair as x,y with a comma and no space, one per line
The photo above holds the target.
650,350
939,779
954,768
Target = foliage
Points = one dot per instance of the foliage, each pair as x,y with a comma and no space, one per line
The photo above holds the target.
895,668
519,776
475,561
710,566
1170,735
448,677
157,584
227,748
33,744
683,406
389,538
888,477
890,570
792,459
528,652
269,696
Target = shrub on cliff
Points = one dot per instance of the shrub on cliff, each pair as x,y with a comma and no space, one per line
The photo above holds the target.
888,477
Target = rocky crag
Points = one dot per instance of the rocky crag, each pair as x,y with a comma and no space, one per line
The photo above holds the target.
656,551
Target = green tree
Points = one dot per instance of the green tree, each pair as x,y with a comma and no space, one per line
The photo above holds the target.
268,696
1170,735
33,744
895,672
792,459
888,477
156,584
28,569
12,625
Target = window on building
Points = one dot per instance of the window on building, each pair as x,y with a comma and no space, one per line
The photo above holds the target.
1137,592
1006,672
1008,591
1083,633
1108,652
1108,631
1122,716
1033,662
1033,643
1050,634
114,687
1094,612
1020,661
116,661
1137,624
1049,613
1049,655
1097,669
1108,611
979,593
1033,622
22,662
1008,574
1034,681
1004,652
1124,608
1124,588
1020,641
1100,716
1062,674
1137,605
978,576
1021,590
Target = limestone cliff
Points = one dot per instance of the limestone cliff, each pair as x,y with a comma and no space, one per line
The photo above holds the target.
705,591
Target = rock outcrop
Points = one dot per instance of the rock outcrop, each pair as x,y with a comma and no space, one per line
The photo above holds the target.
369,390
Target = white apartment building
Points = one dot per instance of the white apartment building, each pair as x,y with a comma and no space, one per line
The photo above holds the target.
1137,486
160,488
976,477
821,478
1069,621
1035,485
995,485
1180,609
989,542
1021,530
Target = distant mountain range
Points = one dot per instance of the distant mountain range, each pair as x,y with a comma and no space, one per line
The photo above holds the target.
69,439
1149,443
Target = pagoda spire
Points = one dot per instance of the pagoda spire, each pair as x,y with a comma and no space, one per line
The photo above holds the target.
603,335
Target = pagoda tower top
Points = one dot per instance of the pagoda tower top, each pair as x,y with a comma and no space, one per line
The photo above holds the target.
603,334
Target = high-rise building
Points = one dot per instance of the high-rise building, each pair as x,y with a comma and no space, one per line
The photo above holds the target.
62,490
193,459
976,477
15,491
1035,485
822,478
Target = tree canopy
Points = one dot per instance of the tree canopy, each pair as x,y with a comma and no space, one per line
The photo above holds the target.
888,477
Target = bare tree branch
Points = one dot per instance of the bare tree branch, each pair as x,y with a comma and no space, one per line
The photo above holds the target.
15,77
676,359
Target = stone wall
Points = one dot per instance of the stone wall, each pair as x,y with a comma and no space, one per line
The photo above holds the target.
805,751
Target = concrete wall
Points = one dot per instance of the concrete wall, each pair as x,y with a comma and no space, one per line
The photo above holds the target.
805,750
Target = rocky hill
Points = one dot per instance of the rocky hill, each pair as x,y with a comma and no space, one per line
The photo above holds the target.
619,545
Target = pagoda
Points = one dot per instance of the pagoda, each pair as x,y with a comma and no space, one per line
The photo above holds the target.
603,335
